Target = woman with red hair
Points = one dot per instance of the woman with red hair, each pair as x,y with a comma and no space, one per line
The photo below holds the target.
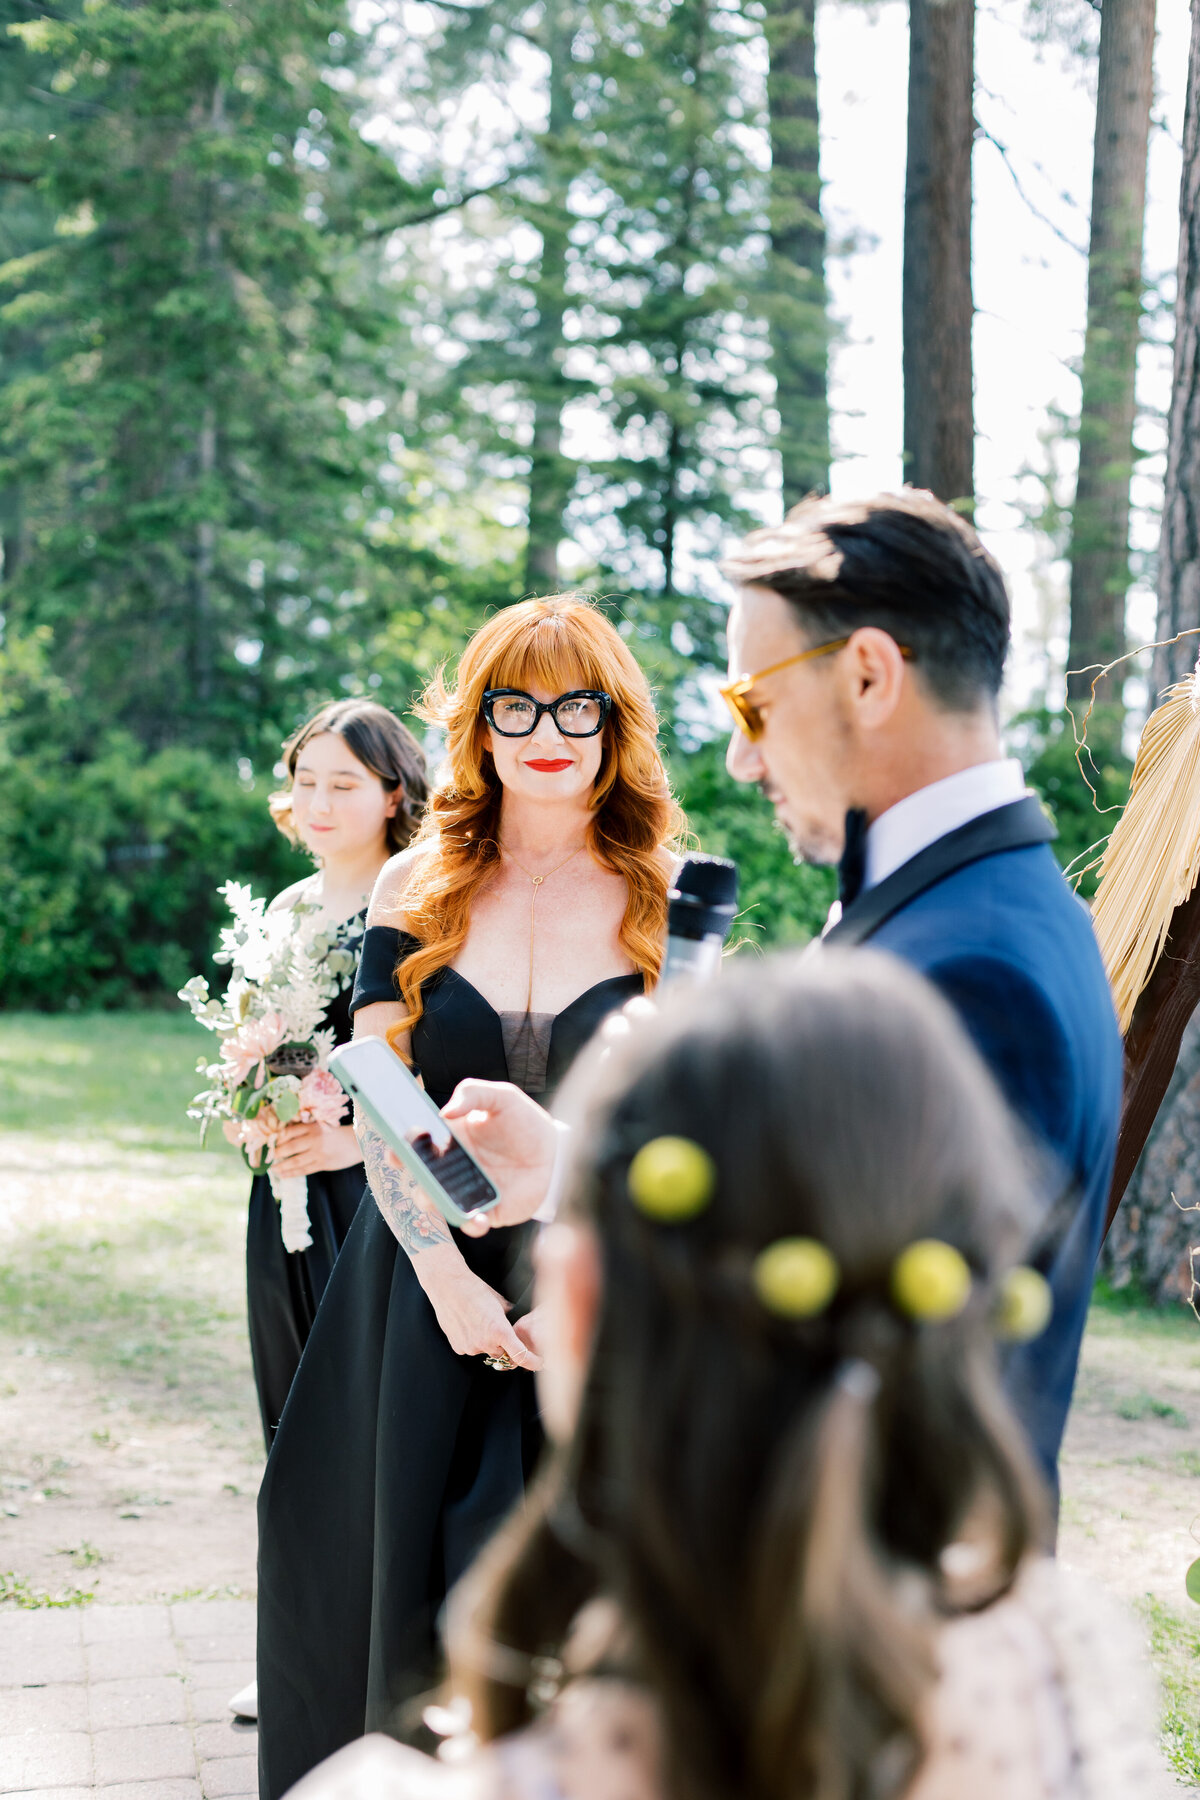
531,904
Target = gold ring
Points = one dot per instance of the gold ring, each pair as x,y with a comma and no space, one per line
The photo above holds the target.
499,1362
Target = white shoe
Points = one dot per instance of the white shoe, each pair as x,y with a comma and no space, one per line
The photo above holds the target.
244,1705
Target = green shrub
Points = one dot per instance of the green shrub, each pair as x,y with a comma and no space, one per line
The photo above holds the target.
1046,743
109,868
781,902
110,855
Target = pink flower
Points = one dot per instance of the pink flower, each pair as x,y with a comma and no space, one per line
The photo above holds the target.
322,1099
250,1046
253,1134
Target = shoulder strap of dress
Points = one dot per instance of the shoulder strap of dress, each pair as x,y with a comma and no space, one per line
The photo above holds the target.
383,948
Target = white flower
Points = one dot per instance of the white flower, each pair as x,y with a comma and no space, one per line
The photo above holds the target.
278,966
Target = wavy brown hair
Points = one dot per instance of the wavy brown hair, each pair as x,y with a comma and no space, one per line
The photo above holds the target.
765,1505
558,643
378,740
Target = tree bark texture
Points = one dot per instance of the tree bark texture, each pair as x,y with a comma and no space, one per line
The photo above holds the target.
939,429
1099,551
797,302
1158,1226
12,532
1152,1042
1156,1182
203,648
1179,545
550,473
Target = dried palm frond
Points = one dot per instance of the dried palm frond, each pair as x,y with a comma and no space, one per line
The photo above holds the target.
1152,860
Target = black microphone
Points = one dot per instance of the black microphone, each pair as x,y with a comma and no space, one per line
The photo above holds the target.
700,912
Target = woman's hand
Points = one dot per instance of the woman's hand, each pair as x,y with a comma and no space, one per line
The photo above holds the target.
473,1315
531,1330
310,1149
512,1139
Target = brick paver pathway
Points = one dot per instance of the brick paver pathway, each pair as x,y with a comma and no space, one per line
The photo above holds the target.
127,1701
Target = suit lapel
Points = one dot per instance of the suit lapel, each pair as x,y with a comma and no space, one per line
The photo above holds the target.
1016,826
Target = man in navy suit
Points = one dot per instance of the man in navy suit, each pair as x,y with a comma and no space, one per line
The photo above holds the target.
867,645
866,650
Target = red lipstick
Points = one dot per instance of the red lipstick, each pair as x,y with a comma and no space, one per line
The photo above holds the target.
546,766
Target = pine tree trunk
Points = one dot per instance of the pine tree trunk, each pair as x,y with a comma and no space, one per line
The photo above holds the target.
206,556
797,304
1158,1223
203,625
550,474
1179,546
939,429
12,532
1100,522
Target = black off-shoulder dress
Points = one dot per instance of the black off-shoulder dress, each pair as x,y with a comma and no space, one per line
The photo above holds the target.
284,1287
395,1458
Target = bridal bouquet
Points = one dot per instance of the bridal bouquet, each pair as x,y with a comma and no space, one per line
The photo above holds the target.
274,1054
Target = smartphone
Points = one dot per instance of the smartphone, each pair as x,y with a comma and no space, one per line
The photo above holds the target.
407,1120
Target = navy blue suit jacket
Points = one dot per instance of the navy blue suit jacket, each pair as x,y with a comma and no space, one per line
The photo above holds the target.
1012,948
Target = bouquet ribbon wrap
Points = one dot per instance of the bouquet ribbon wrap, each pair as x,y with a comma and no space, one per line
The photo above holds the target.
291,1191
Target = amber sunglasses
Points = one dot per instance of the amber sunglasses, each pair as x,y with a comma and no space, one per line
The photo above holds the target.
736,694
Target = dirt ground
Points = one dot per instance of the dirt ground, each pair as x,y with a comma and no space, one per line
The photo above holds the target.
130,1448
1131,1467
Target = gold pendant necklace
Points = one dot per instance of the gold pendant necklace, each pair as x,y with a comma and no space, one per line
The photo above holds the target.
537,881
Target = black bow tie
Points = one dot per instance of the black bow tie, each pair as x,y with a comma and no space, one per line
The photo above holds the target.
853,864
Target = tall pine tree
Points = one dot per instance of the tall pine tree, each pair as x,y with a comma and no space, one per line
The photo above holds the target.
187,440
797,299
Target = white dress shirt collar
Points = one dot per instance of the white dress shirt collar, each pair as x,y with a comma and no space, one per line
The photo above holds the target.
922,818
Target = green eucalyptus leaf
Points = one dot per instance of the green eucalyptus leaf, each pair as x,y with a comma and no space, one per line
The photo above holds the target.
1192,1581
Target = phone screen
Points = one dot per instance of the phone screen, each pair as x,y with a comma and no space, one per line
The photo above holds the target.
377,1076
463,1180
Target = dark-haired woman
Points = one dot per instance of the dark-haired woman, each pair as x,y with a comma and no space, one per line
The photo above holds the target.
532,904
356,788
788,1548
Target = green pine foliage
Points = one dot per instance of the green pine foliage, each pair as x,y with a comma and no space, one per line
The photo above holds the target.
673,245
191,434
314,350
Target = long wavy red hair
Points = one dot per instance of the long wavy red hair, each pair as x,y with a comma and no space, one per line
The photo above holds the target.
557,644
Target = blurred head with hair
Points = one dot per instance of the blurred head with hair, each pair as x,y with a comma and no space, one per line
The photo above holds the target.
907,617
765,1503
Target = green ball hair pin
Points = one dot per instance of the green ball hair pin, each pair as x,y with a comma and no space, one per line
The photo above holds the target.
672,1180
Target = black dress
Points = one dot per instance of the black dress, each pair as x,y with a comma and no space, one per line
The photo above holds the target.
284,1288
396,1458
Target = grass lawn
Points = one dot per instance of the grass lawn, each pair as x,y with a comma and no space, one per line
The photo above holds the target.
126,1076
130,1448
129,1440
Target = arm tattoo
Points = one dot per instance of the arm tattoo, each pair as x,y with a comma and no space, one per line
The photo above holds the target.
414,1227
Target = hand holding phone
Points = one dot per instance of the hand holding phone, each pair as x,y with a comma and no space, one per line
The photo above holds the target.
409,1122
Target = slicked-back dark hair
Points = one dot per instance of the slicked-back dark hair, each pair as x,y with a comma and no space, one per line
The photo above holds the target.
903,562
